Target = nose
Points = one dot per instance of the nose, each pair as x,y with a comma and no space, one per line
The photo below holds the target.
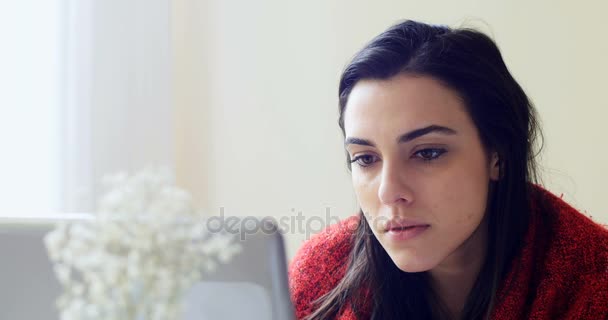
393,188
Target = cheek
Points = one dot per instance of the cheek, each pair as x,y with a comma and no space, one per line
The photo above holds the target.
465,193
366,192
458,193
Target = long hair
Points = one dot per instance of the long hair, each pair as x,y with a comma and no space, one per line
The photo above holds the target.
470,63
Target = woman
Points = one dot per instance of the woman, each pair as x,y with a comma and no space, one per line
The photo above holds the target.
439,139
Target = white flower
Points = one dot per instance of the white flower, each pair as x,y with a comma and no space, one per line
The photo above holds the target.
145,248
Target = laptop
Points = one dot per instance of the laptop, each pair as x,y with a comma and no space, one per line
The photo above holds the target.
253,285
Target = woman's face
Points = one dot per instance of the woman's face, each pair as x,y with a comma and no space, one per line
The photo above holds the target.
420,172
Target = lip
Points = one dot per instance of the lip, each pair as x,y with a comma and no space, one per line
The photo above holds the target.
402,223
406,234
399,230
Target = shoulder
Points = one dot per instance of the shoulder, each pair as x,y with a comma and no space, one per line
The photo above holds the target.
320,264
576,263
576,238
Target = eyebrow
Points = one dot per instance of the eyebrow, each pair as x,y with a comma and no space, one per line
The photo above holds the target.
406,137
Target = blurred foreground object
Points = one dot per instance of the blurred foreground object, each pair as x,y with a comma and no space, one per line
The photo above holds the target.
144,248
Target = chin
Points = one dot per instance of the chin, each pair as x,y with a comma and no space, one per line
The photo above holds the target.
411,264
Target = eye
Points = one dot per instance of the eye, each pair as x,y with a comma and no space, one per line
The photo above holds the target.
365,160
429,154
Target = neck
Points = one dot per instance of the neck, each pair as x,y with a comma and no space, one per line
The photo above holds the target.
453,279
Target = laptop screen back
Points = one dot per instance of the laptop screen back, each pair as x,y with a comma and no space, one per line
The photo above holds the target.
253,285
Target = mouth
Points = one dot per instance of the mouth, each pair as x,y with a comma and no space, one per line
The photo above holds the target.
399,234
399,229
399,225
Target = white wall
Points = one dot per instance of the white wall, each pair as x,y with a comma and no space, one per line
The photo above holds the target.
30,106
256,83
86,93
117,114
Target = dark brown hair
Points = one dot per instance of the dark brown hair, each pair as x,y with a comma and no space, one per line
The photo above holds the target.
470,63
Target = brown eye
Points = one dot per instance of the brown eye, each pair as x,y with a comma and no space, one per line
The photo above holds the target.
429,154
364,160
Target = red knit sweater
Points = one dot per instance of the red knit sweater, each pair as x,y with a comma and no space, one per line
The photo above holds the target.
567,278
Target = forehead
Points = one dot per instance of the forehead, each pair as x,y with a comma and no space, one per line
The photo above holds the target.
402,103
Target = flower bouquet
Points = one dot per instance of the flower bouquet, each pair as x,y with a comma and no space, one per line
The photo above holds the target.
138,255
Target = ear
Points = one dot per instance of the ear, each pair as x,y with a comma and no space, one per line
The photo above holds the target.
495,167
